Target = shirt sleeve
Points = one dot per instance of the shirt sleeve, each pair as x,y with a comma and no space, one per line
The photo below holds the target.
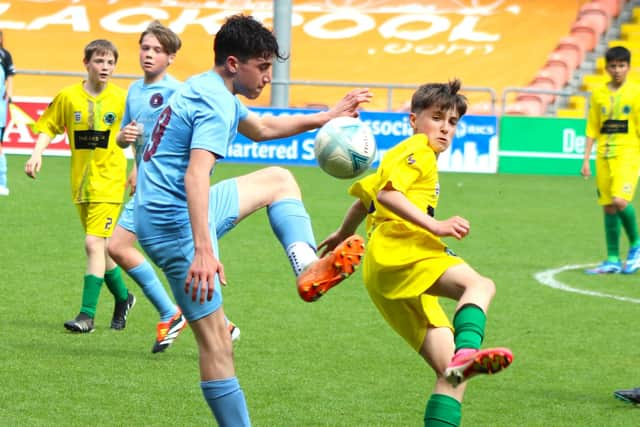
416,161
363,189
52,120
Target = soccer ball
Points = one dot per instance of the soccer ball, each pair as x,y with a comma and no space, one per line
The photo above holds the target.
345,147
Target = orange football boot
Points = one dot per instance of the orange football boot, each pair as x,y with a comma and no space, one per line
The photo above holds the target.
333,268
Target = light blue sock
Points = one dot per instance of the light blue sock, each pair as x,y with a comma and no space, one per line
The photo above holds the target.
226,400
145,276
3,170
291,223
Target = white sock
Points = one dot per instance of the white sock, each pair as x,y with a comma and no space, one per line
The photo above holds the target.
300,256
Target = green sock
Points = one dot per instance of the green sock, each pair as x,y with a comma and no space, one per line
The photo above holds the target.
612,233
115,283
468,324
628,219
442,411
90,294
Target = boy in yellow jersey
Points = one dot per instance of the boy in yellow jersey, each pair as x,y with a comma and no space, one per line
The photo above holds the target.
613,124
91,112
406,264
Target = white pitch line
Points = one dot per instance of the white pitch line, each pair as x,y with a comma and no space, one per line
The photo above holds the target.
547,278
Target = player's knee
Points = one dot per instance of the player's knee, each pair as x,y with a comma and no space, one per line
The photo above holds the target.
283,180
94,245
487,286
113,249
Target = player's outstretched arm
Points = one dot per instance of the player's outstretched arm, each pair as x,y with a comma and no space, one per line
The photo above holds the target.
348,106
265,128
353,218
33,165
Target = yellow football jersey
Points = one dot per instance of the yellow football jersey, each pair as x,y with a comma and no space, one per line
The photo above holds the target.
98,165
403,260
411,167
613,120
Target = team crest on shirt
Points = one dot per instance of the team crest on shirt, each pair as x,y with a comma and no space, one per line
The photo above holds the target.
626,109
156,100
411,160
109,118
77,116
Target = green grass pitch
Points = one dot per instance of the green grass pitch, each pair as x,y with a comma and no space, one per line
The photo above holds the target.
334,362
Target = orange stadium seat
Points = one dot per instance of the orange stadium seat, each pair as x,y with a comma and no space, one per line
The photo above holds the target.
529,107
481,108
596,8
543,83
551,75
587,33
559,64
567,56
613,7
596,21
572,47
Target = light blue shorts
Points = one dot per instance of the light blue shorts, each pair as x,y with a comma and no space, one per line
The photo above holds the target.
173,252
126,217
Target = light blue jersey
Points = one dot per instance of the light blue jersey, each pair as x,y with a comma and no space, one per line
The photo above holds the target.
201,114
144,104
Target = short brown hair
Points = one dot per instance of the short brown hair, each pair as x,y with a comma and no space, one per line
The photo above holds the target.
98,47
443,95
169,40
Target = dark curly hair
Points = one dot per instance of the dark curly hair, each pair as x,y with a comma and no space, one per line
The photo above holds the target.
244,37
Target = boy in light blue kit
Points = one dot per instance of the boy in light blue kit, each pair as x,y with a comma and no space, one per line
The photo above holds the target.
179,217
145,100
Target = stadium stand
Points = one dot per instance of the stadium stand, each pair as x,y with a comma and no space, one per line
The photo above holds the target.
403,46
576,64
593,20
624,30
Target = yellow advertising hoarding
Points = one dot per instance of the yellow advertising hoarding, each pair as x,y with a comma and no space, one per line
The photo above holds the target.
494,43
